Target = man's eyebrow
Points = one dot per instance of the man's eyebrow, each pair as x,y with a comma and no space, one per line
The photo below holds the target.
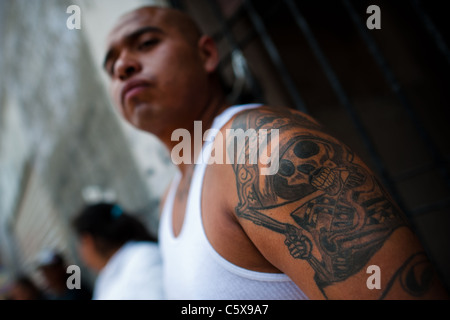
135,34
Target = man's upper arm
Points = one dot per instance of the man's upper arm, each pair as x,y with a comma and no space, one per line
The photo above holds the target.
323,217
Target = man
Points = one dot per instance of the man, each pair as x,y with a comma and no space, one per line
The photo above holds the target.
311,229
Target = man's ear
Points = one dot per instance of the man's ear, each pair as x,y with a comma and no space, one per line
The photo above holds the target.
209,53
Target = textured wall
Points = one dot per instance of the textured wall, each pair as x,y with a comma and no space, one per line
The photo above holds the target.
59,132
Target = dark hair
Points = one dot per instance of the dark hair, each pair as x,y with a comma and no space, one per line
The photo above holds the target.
27,283
110,226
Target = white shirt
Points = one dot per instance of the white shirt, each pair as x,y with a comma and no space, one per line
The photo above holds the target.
134,272
193,269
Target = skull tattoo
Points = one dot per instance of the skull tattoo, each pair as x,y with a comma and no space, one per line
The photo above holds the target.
336,205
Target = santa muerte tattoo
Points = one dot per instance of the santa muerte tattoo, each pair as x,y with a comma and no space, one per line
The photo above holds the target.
340,215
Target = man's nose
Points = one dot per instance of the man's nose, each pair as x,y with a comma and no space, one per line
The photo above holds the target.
127,66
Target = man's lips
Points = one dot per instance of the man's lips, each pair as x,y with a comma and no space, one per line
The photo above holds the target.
133,87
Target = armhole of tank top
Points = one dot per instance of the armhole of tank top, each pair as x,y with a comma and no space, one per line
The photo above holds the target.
167,209
235,269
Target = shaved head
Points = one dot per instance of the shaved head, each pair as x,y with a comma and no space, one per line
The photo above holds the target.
169,18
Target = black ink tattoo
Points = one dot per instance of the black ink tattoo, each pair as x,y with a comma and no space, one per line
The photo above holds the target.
337,207
415,276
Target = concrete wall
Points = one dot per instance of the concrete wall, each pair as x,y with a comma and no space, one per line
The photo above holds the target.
59,132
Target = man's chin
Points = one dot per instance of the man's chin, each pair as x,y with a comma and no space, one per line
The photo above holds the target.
140,114
146,125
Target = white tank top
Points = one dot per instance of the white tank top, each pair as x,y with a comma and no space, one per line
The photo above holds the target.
192,269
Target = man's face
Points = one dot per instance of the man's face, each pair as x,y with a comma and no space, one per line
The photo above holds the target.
157,70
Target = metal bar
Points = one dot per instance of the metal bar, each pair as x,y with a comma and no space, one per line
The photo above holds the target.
256,89
345,101
275,56
242,44
231,21
432,30
177,4
397,89
438,205
411,173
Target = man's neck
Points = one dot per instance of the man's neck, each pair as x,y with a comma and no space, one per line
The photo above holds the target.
206,118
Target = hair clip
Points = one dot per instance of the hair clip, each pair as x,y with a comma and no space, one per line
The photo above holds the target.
116,211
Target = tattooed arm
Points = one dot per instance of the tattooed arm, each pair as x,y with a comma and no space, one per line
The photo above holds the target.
323,217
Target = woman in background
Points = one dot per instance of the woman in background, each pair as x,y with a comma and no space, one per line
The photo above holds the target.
120,249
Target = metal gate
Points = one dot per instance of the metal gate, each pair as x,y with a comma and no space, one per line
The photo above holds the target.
385,92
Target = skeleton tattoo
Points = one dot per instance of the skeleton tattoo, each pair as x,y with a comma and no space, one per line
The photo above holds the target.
340,215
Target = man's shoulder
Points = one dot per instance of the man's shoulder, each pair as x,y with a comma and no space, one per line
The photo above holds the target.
265,117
